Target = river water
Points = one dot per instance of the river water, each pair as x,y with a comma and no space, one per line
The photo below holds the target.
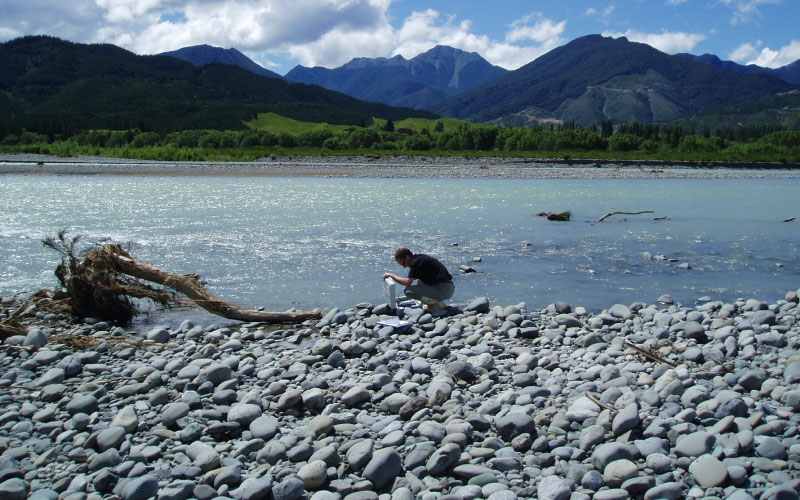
318,242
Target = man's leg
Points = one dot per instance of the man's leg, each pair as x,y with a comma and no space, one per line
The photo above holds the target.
430,293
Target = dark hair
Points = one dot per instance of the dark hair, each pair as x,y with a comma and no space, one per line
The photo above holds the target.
401,253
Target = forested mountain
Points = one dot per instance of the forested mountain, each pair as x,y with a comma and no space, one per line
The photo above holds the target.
54,86
420,82
789,73
594,78
781,111
201,55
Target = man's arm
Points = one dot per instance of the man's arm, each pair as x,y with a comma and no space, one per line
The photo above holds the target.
399,279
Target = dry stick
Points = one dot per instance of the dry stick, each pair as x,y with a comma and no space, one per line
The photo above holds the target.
600,403
649,354
601,219
20,311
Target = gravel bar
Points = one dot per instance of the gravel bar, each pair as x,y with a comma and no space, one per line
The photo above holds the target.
393,167
658,401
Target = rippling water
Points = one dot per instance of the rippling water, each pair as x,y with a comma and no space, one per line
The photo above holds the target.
315,242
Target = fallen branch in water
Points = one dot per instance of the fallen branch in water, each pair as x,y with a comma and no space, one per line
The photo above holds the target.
601,219
790,219
103,283
557,216
189,285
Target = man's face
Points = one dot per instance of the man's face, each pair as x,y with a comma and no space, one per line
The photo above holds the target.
402,261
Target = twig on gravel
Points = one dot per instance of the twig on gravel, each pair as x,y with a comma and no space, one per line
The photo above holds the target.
600,403
648,354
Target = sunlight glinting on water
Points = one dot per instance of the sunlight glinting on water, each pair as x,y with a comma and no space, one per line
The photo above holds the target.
313,242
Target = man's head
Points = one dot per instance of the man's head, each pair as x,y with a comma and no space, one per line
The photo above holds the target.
403,256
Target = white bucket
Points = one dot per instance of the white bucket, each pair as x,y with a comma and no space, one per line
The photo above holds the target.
389,293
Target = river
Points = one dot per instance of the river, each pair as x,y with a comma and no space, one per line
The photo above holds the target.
281,242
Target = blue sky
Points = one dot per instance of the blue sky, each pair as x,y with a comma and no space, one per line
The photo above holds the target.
282,33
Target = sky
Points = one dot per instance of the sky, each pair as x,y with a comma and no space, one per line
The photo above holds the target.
279,34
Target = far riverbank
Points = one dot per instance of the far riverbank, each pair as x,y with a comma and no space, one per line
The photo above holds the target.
395,167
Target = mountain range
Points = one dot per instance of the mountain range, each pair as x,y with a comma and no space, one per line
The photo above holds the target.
53,86
588,80
789,73
594,78
420,82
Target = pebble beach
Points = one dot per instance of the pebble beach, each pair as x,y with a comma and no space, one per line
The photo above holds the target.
497,402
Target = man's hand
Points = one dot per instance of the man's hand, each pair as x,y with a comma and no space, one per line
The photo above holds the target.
399,279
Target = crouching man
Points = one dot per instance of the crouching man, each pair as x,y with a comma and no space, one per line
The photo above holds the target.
434,283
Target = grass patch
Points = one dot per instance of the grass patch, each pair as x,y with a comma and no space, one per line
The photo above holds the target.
277,124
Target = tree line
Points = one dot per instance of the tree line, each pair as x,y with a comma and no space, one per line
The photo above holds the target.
652,139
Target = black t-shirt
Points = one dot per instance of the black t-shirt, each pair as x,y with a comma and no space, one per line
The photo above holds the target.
428,269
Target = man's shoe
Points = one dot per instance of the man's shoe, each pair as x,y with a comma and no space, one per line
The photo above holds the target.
435,306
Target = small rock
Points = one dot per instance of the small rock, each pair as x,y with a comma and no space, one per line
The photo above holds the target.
480,305
383,469
140,488
553,488
708,471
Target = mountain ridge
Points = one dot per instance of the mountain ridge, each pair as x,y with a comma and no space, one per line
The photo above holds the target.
200,55
60,87
789,73
419,82
595,78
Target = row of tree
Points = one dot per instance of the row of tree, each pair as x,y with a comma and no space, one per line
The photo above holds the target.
465,137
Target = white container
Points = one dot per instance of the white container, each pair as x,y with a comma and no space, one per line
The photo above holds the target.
389,293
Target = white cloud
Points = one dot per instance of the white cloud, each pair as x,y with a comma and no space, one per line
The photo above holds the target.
744,52
769,58
541,32
127,10
746,10
604,14
315,32
666,41
676,2
8,33
423,30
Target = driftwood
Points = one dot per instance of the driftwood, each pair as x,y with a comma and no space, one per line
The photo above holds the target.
557,216
649,354
790,219
101,283
189,286
11,326
601,219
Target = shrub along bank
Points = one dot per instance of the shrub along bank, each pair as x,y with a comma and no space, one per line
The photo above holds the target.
649,142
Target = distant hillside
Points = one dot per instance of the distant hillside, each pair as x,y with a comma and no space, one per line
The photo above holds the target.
200,55
594,78
782,110
789,73
419,83
53,86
